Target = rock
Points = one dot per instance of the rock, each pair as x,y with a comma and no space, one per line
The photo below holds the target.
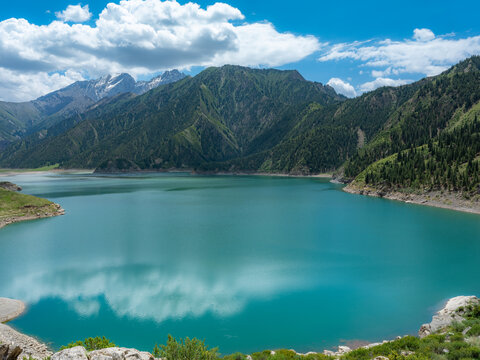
309,353
7,353
30,346
75,353
7,185
371,345
343,350
381,358
449,314
117,353
328,353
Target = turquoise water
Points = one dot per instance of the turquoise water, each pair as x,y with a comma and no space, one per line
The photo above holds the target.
246,263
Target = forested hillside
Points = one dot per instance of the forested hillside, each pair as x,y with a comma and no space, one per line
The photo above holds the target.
437,102
434,140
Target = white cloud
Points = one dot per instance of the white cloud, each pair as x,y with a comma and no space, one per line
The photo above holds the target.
18,86
74,13
342,87
423,34
424,54
143,37
379,82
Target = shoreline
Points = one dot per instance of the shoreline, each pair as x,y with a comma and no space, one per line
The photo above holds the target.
437,199
13,172
16,219
10,309
322,176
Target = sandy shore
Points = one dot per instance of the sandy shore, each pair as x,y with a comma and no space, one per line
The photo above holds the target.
445,200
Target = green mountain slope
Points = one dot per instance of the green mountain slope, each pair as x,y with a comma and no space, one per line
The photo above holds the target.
436,103
15,118
324,136
221,114
432,143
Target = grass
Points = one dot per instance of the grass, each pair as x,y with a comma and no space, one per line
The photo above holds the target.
16,205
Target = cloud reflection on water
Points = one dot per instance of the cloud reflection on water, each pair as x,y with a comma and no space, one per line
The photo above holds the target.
150,293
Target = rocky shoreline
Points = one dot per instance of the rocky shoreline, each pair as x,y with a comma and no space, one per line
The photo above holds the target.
10,339
13,342
444,200
41,213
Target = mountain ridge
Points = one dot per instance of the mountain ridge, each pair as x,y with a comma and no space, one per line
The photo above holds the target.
20,119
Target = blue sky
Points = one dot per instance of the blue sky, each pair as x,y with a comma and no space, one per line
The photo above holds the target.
355,46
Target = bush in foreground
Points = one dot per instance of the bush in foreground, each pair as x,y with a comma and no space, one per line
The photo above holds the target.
91,344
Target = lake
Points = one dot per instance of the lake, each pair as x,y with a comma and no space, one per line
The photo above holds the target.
245,262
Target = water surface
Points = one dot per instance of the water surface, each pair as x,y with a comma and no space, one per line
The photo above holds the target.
246,263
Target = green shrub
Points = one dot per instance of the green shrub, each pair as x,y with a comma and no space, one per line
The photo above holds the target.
156,351
473,312
474,331
187,349
91,344
284,354
235,356
262,355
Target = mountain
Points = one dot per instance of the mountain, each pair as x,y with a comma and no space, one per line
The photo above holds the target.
108,86
15,119
221,114
167,77
431,142
20,119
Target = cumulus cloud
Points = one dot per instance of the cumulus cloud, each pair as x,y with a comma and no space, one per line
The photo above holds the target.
143,37
423,34
342,87
379,82
75,13
424,54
